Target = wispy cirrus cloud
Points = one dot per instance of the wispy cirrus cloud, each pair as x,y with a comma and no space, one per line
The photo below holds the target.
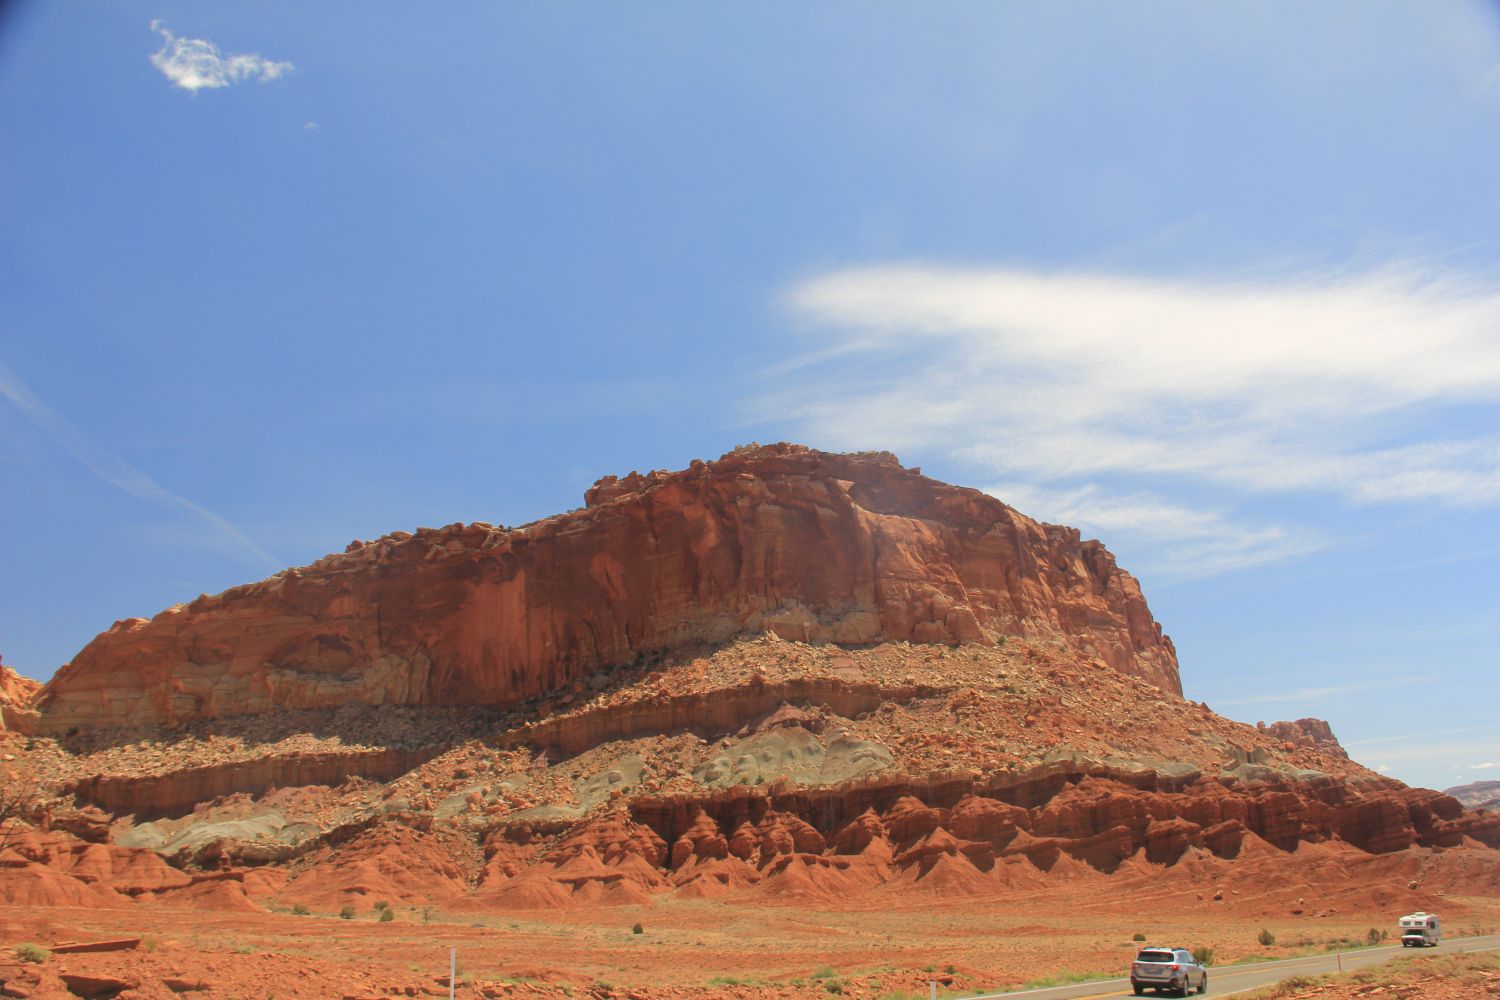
1071,390
1324,694
122,475
1193,542
196,63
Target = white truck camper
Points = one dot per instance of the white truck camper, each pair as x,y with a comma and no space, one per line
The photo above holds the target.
1418,930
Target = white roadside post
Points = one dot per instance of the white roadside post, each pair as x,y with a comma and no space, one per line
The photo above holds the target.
452,971
932,989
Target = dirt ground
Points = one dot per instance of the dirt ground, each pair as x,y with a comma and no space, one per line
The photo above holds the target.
1449,977
685,948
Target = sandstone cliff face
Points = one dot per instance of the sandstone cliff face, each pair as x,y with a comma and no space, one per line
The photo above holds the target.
808,545
15,691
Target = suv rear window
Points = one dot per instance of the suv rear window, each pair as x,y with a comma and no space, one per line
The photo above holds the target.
1156,956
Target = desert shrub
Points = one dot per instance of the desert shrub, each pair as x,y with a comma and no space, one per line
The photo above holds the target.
1203,955
835,987
637,929
1266,938
149,942
951,970
387,915
301,910
32,953
347,913
1375,935
381,904
1138,936
929,968
824,973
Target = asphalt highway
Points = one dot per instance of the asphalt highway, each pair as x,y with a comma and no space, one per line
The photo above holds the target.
1227,980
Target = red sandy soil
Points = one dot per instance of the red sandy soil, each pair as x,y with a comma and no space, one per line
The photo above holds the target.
1451,977
691,948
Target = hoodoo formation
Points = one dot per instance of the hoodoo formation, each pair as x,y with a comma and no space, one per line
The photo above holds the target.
785,676
804,544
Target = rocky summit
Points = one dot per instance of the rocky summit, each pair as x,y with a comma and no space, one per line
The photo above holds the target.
806,545
782,677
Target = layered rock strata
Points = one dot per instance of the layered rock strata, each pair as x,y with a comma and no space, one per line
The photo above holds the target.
812,546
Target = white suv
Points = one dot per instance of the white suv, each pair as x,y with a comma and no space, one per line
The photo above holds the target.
1167,969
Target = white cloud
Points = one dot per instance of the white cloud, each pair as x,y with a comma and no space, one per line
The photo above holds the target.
1325,693
1425,737
1067,383
1485,766
1384,769
196,63
121,474
1195,542
1432,755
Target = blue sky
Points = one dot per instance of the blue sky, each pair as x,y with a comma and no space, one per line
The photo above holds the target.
1220,286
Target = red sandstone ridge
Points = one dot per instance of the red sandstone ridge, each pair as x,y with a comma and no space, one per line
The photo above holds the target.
809,545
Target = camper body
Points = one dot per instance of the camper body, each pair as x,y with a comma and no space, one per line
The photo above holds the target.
1418,930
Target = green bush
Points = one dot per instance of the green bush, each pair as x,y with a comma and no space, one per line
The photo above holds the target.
387,915
1375,935
637,929
1138,936
32,953
835,987
347,913
951,970
301,910
824,973
1203,955
1266,938
381,904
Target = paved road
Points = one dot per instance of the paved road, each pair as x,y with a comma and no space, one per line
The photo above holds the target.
1226,980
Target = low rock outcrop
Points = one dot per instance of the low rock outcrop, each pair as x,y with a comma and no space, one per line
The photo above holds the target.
15,693
1312,733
